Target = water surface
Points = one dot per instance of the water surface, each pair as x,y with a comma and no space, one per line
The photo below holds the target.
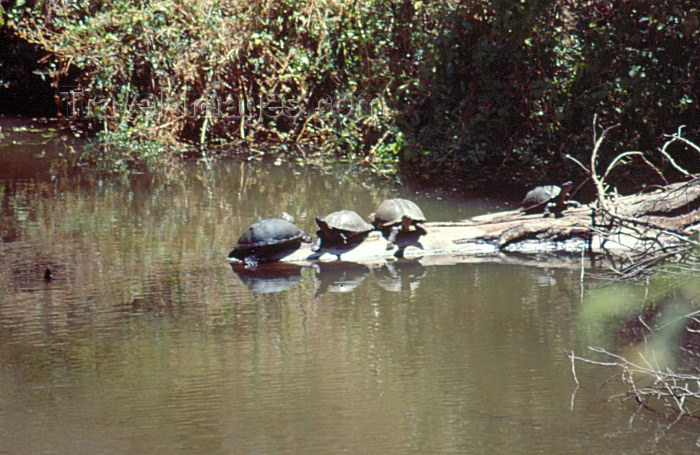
146,340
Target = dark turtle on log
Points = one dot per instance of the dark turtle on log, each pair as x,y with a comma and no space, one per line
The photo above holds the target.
268,240
340,228
548,199
397,215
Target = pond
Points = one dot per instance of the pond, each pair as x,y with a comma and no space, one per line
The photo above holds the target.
145,340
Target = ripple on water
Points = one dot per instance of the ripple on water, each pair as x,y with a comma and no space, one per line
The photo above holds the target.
146,341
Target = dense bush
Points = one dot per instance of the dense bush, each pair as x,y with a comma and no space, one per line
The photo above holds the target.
327,74
25,88
518,89
447,88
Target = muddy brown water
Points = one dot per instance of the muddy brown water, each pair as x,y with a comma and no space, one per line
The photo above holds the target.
146,341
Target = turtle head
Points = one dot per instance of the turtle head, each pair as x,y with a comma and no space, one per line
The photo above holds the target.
406,222
371,218
236,254
325,229
566,187
287,217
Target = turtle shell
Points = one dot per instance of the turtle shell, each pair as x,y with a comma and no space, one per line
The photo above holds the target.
392,211
539,196
347,220
273,231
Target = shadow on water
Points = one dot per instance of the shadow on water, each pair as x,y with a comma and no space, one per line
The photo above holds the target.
403,275
268,278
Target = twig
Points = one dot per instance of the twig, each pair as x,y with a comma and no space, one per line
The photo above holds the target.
597,142
573,358
617,160
619,157
580,164
678,136
669,158
675,389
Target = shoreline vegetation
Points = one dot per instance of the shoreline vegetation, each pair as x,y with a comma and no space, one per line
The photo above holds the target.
445,90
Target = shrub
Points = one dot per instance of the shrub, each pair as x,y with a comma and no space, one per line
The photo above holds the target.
455,89
517,85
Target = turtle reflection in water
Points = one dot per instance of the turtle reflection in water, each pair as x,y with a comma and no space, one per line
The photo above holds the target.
403,275
339,276
548,199
269,278
398,215
343,227
269,240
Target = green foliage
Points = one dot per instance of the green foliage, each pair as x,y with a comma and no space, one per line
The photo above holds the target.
120,151
653,317
462,88
519,86
218,71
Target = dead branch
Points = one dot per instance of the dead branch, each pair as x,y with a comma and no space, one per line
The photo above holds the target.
597,142
674,138
663,235
647,381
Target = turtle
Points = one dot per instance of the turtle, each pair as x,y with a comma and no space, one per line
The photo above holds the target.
397,215
548,199
341,227
267,240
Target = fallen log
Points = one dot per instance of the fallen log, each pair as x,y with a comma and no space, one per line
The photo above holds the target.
637,223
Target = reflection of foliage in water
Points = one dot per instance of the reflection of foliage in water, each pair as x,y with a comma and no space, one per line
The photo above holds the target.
656,326
94,229
657,305
144,320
